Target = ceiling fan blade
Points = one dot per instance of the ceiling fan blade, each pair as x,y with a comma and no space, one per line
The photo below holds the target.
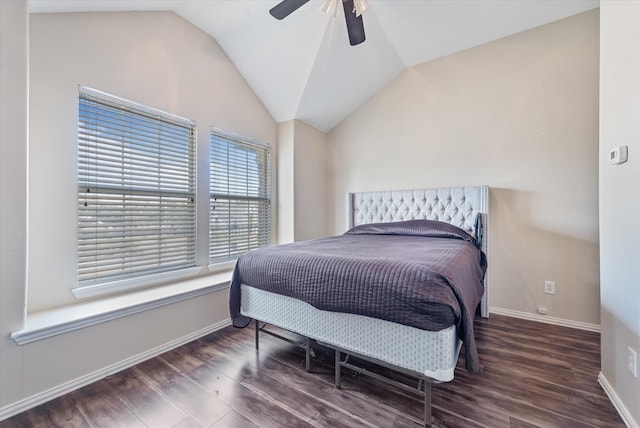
285,8
355,26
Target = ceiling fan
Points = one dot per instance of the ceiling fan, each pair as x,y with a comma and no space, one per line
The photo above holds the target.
352,13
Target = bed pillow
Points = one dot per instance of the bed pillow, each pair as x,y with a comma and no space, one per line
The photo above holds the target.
427,228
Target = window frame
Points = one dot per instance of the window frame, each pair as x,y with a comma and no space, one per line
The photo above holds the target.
150,276
264,196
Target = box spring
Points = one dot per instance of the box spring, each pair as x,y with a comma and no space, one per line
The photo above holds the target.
433,354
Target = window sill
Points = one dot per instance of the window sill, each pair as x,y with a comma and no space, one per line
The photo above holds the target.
45,324
130,284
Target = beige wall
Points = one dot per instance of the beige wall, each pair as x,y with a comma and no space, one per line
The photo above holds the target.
286,180
310,182
14,34
302,182
620,199
156,59
519,114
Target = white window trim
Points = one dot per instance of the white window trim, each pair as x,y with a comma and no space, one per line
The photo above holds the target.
89,291
204,268
223,264
149,110
52,322
159,278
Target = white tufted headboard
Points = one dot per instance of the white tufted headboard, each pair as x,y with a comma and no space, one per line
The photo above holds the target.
459,206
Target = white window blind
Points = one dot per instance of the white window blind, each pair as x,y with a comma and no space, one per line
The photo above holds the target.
136,190
240,187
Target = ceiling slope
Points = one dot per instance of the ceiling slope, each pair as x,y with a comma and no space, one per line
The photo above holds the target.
303,67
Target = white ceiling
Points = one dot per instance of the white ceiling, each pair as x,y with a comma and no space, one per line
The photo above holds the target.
303,66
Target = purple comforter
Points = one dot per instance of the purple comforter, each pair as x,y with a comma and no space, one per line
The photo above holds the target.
421,273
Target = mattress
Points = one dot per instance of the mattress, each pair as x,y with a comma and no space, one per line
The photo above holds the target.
431,353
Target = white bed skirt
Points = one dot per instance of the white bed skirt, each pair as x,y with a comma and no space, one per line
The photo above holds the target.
431,353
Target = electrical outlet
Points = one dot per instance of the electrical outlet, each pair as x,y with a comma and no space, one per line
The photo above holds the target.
542,310
549,287
632,362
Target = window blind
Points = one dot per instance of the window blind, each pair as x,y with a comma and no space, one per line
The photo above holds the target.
136,192
240,188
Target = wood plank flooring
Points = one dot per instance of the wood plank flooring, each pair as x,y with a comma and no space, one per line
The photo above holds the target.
534,375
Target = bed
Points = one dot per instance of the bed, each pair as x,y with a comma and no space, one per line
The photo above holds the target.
301,287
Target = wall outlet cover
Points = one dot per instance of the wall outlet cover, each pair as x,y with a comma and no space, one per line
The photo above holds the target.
549,287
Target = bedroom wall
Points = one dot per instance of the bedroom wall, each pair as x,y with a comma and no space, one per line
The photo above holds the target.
620,201
285,183
310,193
14,50
302,182
157,59
519,114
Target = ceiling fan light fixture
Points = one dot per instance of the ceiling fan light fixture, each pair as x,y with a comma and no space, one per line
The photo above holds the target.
359,6
353,10
331,7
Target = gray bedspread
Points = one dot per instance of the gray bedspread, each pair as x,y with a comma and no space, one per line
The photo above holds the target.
420,273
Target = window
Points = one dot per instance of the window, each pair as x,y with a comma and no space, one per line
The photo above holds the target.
136,190
240,218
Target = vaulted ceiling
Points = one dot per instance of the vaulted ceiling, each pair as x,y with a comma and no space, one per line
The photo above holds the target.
303,66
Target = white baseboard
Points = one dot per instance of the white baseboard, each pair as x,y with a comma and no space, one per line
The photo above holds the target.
622,410
545,319
65,388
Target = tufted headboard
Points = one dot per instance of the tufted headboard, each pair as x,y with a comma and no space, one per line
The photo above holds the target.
463,207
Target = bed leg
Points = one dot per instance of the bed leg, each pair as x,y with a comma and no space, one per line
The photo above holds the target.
257,333
427,404
338,366
307,348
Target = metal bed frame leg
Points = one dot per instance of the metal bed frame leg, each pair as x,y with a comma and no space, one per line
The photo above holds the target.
257,333
307,356
307,342
338,366
427,404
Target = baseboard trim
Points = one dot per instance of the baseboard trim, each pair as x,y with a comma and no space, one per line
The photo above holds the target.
545,319
65,388
622,410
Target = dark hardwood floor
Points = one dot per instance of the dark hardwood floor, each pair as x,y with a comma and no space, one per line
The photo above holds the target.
534,375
